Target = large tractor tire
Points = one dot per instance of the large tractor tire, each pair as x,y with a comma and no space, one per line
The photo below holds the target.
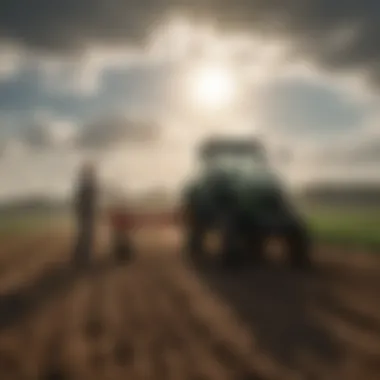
194,249
230,253
233,249
299,249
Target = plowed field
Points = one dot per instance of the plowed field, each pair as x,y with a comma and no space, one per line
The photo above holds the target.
158,318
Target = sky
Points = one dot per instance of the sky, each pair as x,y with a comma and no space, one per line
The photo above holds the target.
120,82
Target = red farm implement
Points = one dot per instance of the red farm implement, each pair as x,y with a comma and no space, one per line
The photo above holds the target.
125,222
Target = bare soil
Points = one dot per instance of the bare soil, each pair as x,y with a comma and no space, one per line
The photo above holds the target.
157,317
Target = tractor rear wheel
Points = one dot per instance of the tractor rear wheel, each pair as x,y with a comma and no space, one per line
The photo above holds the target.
233,248
194,245
299,247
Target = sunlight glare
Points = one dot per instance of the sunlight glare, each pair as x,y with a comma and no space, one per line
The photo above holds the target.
212,87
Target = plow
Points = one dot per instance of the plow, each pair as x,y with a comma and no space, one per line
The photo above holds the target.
124,223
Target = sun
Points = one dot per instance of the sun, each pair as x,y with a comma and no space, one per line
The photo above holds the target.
212,87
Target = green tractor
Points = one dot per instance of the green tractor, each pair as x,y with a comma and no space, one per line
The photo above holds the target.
239,201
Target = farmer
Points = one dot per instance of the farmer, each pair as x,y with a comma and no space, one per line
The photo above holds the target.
85,209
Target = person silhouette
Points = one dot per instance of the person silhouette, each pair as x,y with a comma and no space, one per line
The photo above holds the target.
85,210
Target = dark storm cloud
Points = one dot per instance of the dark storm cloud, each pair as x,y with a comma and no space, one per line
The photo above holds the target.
342,34
57,24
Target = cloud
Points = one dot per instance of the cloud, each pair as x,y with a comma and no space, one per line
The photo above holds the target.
83,48
340,34
82,75
296,106
118,130
46,132
11,148
10,62
352,156
362,147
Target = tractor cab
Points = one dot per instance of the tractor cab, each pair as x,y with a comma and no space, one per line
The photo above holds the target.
239,161
227,155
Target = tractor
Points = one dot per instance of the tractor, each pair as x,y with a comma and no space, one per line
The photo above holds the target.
237,206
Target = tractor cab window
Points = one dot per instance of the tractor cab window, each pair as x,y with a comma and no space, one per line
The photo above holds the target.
234,157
